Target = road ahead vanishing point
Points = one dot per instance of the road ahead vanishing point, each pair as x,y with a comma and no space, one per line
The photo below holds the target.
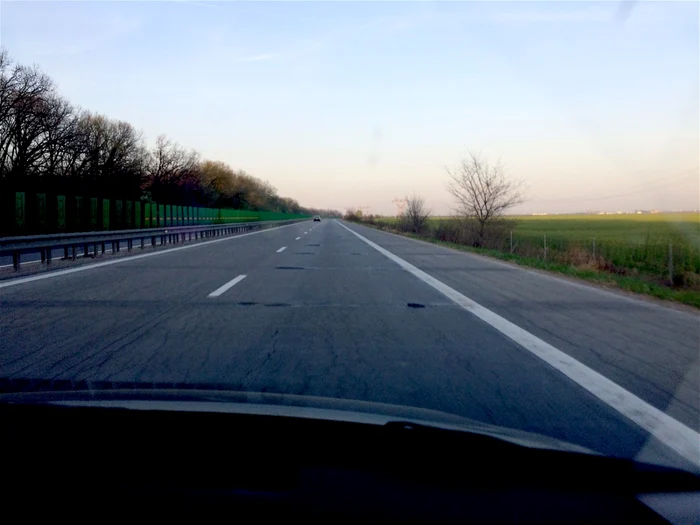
339,310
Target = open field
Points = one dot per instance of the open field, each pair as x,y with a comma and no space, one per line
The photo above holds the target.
662,250
661,228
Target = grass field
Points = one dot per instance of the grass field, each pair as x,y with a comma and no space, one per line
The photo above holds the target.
661,228
626,247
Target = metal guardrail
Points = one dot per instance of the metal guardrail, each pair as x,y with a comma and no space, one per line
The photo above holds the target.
93,243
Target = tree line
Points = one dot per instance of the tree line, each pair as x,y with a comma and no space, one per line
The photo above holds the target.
48,145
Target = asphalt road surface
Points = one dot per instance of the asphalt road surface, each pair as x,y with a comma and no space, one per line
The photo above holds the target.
315,309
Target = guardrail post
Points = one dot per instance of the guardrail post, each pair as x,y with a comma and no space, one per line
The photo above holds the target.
15,260
86,250
73,250
142,243
48,255
65,252
153,241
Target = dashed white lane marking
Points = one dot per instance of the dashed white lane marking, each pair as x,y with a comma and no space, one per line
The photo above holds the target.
231,283
669,431
281,249
305,233
294,239
49,275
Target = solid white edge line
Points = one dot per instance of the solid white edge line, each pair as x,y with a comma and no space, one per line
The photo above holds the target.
26,262
230,284
49,275
281,249
674,434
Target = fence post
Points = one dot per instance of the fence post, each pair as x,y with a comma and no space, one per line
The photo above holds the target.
20,213
545,246
41,212
594,248
511,242
93,213
79,214
61,212
105,214
670,264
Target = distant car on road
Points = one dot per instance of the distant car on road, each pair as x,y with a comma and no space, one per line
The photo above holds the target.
317,218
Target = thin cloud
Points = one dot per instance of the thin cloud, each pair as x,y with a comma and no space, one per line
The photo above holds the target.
259,58
585,15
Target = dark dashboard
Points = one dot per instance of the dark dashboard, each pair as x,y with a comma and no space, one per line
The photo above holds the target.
108,462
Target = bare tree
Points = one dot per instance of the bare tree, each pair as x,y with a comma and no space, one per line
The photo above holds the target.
170,169
111,156
483,192
416,215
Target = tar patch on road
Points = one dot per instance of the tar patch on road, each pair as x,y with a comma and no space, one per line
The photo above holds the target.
304,253
313,245
289,267
415,305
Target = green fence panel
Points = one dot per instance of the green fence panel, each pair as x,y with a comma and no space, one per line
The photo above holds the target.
137,215
93,213
179,215
20,211
61,212
79,214
161,215
188,218
168,215
41,211
147,215
118,215
105,214
129,205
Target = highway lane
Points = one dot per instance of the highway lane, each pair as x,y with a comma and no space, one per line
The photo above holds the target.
327,315
646,347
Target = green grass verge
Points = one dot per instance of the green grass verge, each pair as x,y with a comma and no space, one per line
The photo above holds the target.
630,284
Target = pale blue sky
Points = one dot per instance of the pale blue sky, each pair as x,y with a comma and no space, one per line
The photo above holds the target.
353,104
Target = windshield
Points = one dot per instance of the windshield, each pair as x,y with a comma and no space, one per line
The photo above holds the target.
490,210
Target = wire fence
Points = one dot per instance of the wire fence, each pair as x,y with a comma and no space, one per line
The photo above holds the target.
675,262
659,259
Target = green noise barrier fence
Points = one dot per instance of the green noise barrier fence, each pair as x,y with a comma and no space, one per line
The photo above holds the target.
35,214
